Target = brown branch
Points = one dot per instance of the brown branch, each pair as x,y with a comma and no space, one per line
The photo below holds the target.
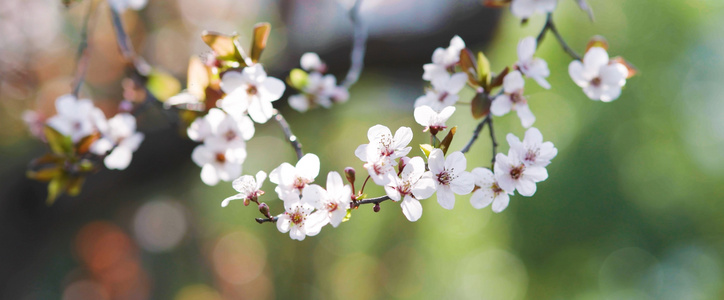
359,46
288,134
377,200
83,56
552,27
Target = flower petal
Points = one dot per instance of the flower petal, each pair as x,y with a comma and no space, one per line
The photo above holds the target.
411,208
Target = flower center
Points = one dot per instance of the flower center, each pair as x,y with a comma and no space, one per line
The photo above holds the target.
442,97
297,218
516,172
596,81
300,183
332,206
251,90
230,135
517,97
220,157
386,143
444,177
531,155
496,189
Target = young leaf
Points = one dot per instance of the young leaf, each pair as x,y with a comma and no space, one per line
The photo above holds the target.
162,85
483,70
445,144
59,144
632,70
56,187
197,78
597,41
297,79
74,185
426,149
224,46
480,105
44,174
258,43
498,79
85,143
469,66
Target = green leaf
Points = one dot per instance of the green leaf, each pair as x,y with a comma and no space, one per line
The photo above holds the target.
480,105
298,79
162,85
83,146
74,185
347,216
56,187
44,174
59,144
469,66
258,42
483,70
426,149
225,46
445,144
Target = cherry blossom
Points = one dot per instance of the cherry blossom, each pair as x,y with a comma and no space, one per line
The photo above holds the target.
444,92
219,160
432,120
532,67
380,167
320,90
488,191
249,188
413,184
512,174
443,59
333,202
525,8
532,151
310,61
76,118
291,180
219,124
382,141
121,138
299,220
449,176
600,78
513,99
250,91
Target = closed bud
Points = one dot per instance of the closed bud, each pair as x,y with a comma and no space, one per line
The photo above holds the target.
376,208
264,209
349,172
246,202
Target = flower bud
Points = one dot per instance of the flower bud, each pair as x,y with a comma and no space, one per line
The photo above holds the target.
246,202
349,172
264,209
376,208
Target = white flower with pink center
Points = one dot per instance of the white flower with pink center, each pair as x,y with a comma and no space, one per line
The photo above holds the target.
444,92
381,168
513,99
386,145
121,138
443,60
291,180
532,67
250,91
512,174
219,160
488,192
220,124
600,77
432,120
249,188
76,118
532,151
299,220
413,184
333,202
449,176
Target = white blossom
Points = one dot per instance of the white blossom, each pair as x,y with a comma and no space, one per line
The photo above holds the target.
333,202
217,123
299,220
512,174
291,180
121,5
121,138
310,61
449,176
248,187
76,118
600,78
250,91
443,59
413,184
219,160
513,99
488,191
444,92
525,8
320,90
532,67
532,151
432,120
380,167
382,141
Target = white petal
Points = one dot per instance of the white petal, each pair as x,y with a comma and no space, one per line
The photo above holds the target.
308,166
299,102
424,114
425,187
457,82
501,202
536,173
209,175
235,197
119,159
374,133
445,197
310,61
297,233
594,59
260,111
436,161
483,177
501,105
336,217
526,48
526,116
463,184
272,89
612,93
525,187
411,208
481,198
402,138
314,223
456,162
231,81
361,152
392,192
522,8
284,223
513,82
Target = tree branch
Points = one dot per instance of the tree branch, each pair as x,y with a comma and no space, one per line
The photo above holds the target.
288,134
377,200
552,27
264,220
359,46
476,134
492,138
83,56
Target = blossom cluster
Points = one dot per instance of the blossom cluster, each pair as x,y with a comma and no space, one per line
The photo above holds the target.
316,88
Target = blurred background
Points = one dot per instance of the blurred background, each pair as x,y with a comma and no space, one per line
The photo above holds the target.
632,208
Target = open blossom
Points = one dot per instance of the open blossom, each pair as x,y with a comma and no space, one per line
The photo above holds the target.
380,167
413,184
443,59
299,220
76,118
532,151
513,99
121,138
122,5
219,124
444,93
250,91
320,90
512,174
333,202
532,67
291,180
311,62
600,78
382,141
449,176
525,8
432,120
488,191
249,188
219,160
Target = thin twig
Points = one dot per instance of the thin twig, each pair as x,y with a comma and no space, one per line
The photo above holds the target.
359,46
264,220
550,25
492,138
288,134
83,56
377,200
476,134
